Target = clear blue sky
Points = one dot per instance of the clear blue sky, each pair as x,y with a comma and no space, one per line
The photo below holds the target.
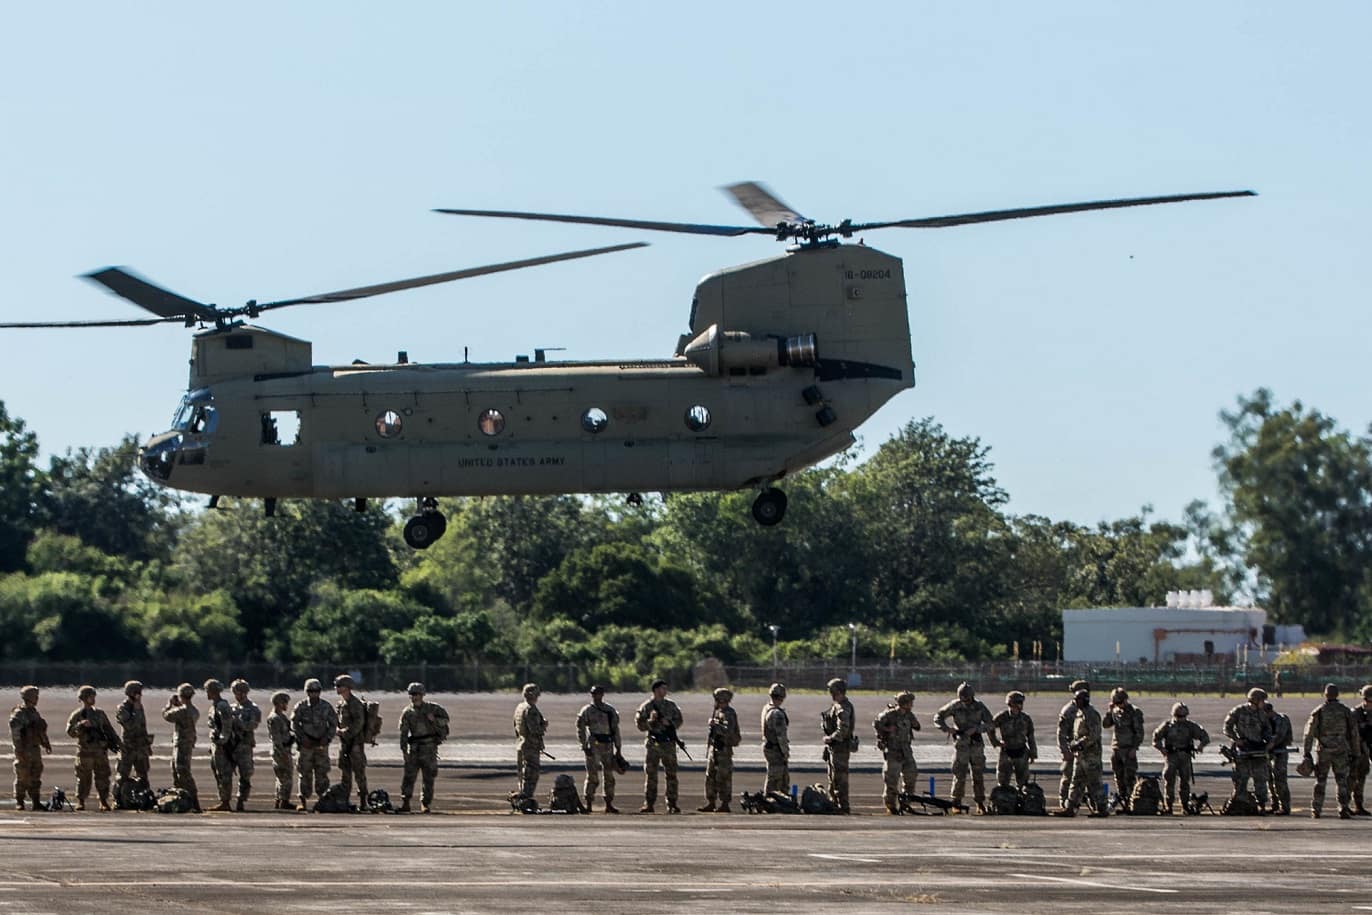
271,150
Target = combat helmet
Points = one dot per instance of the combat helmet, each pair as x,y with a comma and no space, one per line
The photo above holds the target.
1119,694
530,690
1179,710
777,691
904,696
185,690
28,691
280,696
86,692
836,685
132,688
597,690
1079,685
213,685
1257,693
239,686
1366,692
312,685
724,693
344,680
1014,697
965,691
1331,691
415,689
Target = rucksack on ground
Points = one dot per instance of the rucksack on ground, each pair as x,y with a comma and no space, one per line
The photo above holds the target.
1004,800
174,800
133,794
1032,801
520,803
768,802
815,799
1241,804
564,797
371,730
1147,798
334,800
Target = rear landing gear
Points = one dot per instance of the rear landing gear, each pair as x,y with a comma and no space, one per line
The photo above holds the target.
426,527
769,507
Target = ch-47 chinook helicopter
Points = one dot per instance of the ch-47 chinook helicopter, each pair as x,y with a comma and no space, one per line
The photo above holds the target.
783,359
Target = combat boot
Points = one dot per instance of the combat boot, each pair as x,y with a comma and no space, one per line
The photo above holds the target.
105,803
425,808
722,808
404,806
707,807
303,805
19,803
1361,811
646,808
80,803
1345,813
611,808
221,807
1314,814
239,806
1065,812
673,808
981,808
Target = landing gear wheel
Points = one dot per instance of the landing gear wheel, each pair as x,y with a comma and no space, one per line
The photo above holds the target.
769,507
422,530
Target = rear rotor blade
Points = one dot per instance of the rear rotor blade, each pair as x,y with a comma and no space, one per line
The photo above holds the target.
363,292
147,295
938,222
762,203
142,322
686,227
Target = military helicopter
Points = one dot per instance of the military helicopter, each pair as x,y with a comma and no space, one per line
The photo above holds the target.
783,359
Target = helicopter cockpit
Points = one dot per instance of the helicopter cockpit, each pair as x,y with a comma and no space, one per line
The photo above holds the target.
184,443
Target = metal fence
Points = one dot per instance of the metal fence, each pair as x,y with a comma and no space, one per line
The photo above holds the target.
480,676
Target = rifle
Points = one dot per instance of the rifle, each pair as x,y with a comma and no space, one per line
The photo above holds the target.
1233,755
547,754
1196,803
108,739
928,800
670,731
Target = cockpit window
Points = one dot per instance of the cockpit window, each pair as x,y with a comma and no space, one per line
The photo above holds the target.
195,412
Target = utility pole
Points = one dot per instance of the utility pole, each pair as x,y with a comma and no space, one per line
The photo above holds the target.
775,629
852,627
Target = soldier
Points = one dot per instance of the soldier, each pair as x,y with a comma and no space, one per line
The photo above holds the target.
1065,720
724,735
1178,740
659,718
314,725
1085,748
971,719
183,717
95,740
29,734
352,743
1015,740
1362,720
283,764
776,744
1126,720
247,716
1246,725
895,728
597,730
1278,749
1339,743
223,739
133,723
529,728
423,726
839,722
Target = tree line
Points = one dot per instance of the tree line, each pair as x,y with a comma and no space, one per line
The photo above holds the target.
914,545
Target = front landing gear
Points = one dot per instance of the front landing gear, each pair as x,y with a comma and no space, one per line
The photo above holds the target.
426,527
769,507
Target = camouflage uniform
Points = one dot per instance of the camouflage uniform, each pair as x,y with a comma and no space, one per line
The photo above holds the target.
352,745
1176,739
529,728
1362,720
776,745
183,717
137,752
283,764
1126,720
1085,747
247,717
724,735
95,740
838,722
971,718
1282,738
1013,732
895,731
1066,717
597,730
314,724
224,737
659,749
1247,727
422,728
1331,725
29,735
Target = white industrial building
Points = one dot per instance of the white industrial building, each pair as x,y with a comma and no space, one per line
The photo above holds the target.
1187,631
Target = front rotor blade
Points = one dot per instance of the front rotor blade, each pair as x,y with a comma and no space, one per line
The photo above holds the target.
147,295
689,228
938,222
762,203
363,292
143,322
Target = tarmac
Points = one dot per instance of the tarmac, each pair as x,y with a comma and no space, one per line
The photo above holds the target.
474,855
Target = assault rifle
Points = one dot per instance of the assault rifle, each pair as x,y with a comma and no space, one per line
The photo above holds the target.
1196,803
670,731
928,800
108,739
1233,754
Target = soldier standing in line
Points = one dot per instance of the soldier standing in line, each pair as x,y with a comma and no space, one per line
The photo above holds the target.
1246,725
352,743
659,718
133,723
1331,725
724,735
1085,747
29,734
895,729
247,716
597,730
95,740
840,739
223,740
423,726
1066,717
776,743
1126,720
183,717
971,719
1015,740
1362,720
283,765
1178,740
314,724
1278,749
529,728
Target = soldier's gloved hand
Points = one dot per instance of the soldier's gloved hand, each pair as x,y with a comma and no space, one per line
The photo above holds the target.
587,750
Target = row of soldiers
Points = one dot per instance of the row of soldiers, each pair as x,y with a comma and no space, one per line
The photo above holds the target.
300,740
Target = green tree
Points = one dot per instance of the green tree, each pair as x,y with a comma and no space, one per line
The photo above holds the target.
21,490
618,583
342,625
201,626
66,619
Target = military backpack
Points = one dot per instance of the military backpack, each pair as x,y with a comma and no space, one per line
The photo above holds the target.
815,799
564,797
1004,800
174,800
334,800
1032,801
1147,799
371,729
1241,804
134,794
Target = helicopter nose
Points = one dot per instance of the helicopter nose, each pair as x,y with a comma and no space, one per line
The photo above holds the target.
158,456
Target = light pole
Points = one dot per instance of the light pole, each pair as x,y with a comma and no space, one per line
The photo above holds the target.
775,629
852,627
